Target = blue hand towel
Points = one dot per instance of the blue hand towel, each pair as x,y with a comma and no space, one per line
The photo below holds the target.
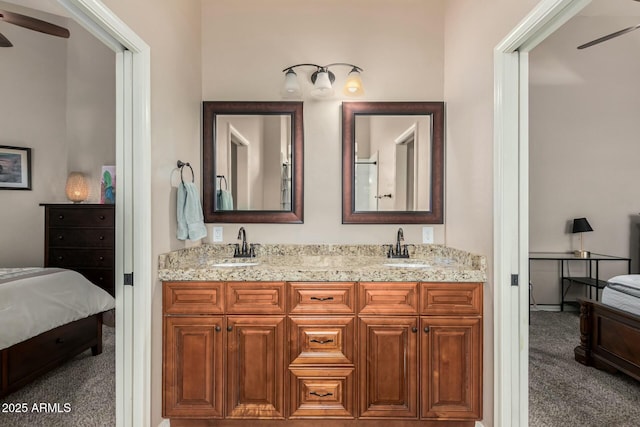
225,200
189,213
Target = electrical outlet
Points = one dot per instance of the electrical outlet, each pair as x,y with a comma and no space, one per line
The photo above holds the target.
217,234
427,234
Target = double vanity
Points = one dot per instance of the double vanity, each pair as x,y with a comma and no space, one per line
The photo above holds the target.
304,333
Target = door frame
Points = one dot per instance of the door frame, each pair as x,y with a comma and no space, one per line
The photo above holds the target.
133,207
511,207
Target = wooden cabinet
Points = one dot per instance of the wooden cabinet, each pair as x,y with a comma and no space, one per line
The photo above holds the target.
81,237
380,352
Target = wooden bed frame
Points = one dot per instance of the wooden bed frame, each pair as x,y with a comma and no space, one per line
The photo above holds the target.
25,361
609,338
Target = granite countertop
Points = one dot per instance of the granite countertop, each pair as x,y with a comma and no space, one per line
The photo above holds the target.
332,263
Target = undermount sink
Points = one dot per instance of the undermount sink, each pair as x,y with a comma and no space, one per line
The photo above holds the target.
406,264
235,264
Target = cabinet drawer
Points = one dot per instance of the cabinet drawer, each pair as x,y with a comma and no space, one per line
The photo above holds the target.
327,340
451,298
388,298
80,258
85,237
193,297
255,298
322,298
325,393
81,217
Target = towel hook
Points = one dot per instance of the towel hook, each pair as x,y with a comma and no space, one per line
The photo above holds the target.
221,178
181,166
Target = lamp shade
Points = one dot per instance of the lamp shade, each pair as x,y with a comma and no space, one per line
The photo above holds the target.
581,225
353,85
77,189
322,84
291,85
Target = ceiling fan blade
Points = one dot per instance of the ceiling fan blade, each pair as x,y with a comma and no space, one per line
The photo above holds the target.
609,36
4,42
33,24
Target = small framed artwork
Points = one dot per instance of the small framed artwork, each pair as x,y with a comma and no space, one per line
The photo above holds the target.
108,185
15,168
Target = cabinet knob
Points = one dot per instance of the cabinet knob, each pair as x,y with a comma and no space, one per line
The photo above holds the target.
414,329
60,216
218,328
59,340
426,329
101,238
60,257
101,217
60,237
101,258
229,328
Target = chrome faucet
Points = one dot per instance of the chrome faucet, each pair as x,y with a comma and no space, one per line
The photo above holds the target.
400,250
244,251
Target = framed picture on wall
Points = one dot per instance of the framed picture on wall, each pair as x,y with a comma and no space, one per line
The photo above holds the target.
15,168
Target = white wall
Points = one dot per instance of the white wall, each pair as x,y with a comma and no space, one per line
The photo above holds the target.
47,107
585,146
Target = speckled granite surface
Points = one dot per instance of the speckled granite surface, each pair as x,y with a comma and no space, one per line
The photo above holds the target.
353,263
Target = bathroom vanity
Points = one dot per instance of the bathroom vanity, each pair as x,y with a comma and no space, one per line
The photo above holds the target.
304,333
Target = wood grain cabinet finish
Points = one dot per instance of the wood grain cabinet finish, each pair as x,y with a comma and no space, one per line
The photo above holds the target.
390,354
81,237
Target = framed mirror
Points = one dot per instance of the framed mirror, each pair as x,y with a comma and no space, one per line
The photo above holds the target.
252,162
392,162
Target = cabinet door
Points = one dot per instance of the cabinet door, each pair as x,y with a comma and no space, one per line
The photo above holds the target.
255,367
388,367
193,370
451,375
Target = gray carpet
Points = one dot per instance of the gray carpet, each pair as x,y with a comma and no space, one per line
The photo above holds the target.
86,383
563,392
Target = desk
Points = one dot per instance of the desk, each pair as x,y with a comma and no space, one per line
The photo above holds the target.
592,280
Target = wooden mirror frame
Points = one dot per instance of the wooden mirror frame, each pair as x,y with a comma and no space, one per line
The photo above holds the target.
210,110
349,112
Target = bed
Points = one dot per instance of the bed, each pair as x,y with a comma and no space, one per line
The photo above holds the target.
610,329
47,316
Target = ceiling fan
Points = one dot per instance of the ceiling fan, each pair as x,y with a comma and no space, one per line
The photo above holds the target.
30,23
610,36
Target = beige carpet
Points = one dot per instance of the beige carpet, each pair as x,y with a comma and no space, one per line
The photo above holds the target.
80,393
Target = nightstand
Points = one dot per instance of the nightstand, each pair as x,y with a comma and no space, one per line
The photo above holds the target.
81,237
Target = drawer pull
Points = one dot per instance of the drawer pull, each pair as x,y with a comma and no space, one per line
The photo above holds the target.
414,329
321,341
60,216
60,237
322,298
315,393
101,238
229,328
218,328
102,217
426,329
59,340
60,257
101,258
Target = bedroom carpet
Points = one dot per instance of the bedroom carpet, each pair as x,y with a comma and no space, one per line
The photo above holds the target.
85,383
563,392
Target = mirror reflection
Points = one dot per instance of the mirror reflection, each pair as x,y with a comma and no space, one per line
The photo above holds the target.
393,161
252,161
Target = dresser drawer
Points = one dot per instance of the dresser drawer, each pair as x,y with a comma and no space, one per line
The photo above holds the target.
193,297
388,298
85,237
80,258
325,393
81,217
322,298
451,298
255,298
327,340
102,277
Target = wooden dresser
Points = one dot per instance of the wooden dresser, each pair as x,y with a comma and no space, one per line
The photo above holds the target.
81,237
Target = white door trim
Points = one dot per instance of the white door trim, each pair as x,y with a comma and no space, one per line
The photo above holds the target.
133,208
511,206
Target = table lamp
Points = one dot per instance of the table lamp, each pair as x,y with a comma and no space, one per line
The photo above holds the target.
581,225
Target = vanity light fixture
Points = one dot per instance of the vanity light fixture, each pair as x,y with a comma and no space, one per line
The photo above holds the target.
322,79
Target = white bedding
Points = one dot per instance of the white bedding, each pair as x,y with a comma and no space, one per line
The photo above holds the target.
623,292
35,300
